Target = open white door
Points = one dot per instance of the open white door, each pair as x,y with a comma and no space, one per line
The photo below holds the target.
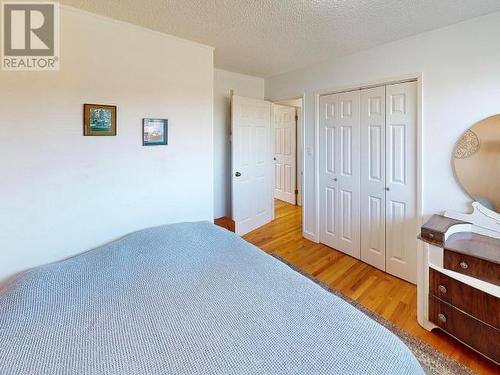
285,153
252,164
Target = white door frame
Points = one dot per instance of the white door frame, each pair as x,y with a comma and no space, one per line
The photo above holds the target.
301,96
409,77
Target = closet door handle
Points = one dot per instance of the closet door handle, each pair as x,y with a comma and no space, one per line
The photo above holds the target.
387,189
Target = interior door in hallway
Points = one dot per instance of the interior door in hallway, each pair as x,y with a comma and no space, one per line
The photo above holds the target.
285,153
252,163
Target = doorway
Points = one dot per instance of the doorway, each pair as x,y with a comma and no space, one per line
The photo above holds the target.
287,130
287,120
267,162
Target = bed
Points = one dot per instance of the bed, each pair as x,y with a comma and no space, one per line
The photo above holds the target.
188,298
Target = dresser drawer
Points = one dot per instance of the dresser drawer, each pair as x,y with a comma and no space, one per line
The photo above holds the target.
478,335
475,302
434,229
432,235
472,266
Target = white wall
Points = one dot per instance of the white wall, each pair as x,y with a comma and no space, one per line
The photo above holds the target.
63,193
461,85
243,85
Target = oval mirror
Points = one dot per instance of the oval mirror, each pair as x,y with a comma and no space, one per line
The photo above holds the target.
477,162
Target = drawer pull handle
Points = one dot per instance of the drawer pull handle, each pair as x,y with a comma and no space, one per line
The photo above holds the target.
464,265
442,318
442,289
431,235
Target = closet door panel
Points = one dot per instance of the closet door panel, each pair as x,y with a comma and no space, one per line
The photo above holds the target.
401,168
339,140
349,174
329,166
373,177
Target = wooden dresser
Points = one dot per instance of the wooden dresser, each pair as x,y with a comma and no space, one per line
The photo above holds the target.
459,283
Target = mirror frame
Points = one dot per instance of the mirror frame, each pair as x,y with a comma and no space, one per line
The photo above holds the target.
484,210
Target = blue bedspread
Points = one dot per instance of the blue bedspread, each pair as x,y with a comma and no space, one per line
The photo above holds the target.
188,299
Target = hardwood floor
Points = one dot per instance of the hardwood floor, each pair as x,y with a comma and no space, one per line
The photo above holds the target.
392,298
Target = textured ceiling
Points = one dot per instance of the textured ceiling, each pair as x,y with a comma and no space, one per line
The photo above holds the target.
269,37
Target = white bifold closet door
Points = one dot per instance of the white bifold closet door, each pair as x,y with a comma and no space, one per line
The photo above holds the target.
340,171
388,178
367,179
373,176
401,180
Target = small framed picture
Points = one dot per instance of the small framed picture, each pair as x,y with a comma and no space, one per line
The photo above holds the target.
154,132
99,120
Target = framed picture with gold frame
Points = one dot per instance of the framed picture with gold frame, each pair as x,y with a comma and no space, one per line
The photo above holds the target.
99,120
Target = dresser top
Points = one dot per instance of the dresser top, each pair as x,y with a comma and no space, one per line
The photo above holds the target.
441,224
475,245
435,230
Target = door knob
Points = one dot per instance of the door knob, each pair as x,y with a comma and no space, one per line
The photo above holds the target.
387,189
335,179
237,174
